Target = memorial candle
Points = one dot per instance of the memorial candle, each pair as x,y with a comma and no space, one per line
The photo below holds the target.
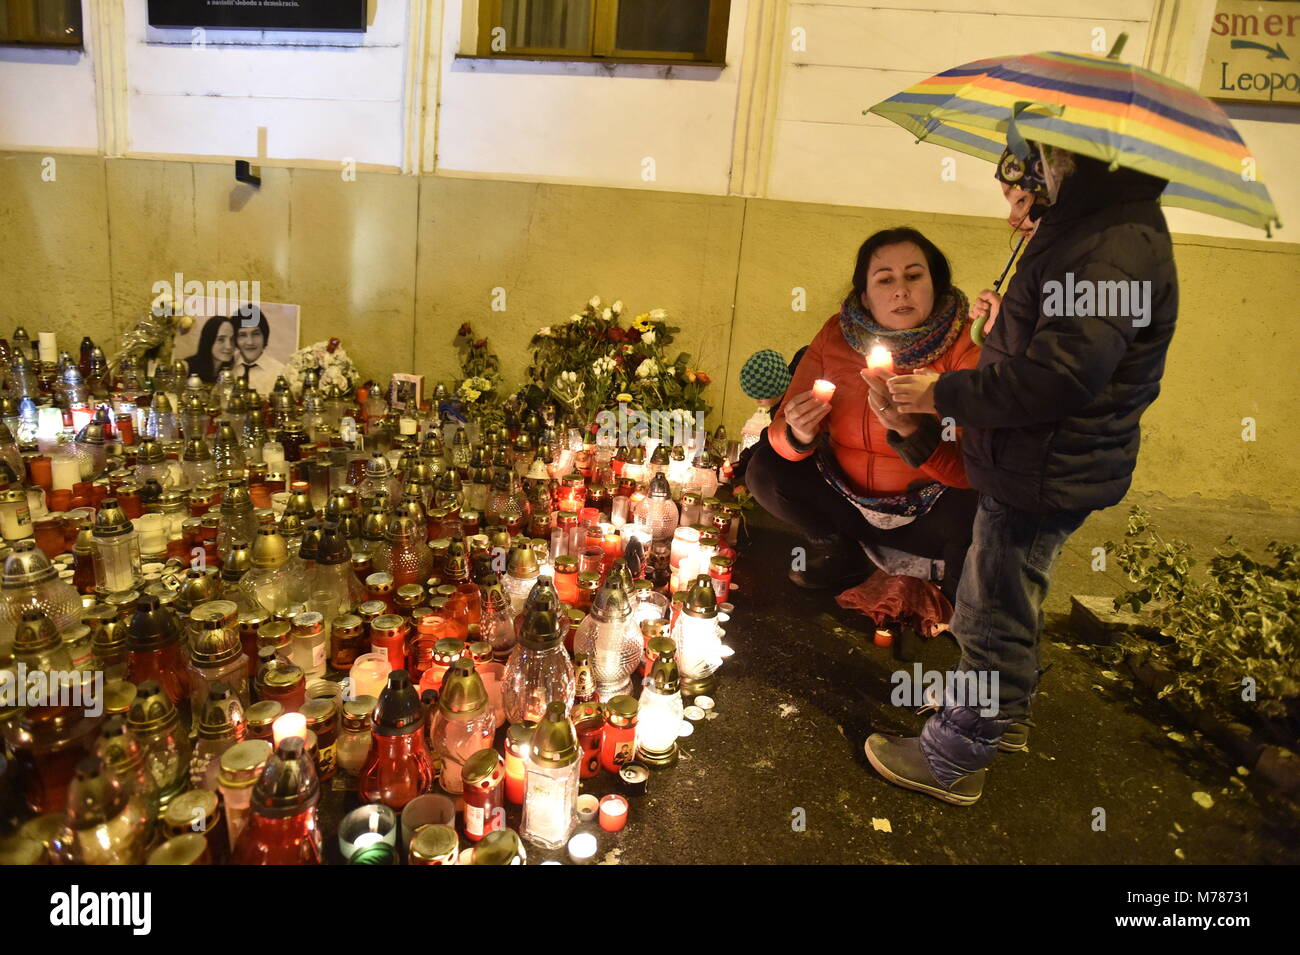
880,359
824,390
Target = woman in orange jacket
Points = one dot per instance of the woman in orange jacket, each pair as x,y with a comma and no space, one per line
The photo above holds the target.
854,471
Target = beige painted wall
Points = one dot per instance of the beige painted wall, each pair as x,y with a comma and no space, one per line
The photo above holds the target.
393,264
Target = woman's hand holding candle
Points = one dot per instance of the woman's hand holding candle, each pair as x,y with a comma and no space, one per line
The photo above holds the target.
880,359
879,401
804,414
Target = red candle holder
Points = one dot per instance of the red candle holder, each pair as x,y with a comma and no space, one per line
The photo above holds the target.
41,472
613,812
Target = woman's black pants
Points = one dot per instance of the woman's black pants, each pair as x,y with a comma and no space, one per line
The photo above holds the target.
796,493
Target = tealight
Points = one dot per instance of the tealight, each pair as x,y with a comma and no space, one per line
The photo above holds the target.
582,848
880,359
693,713
823,389
704,702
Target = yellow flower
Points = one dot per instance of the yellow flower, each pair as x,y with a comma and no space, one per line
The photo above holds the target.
642,323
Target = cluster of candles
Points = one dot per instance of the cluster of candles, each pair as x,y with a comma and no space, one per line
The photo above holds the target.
283,591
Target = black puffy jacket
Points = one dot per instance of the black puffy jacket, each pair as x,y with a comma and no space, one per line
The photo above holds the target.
1051,412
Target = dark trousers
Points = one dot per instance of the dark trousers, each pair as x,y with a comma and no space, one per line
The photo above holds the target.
795,493
998,622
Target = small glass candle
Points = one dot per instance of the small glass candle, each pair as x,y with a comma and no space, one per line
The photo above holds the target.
66,471
613,812
369,674
823,389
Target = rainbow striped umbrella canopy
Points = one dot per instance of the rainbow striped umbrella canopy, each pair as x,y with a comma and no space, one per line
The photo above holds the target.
1096,106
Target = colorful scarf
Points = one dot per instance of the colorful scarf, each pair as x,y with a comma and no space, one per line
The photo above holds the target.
912,347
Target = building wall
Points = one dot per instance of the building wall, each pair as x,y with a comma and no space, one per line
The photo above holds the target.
393,265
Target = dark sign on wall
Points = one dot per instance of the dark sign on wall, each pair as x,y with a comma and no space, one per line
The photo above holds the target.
260,14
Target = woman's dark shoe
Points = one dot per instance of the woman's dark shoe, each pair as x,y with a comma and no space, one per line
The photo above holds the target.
831,562
900,760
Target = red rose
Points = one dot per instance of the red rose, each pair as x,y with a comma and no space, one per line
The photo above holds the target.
616,335
465,330
702,378
633,335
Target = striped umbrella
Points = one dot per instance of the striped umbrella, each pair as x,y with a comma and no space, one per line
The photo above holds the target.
1096,106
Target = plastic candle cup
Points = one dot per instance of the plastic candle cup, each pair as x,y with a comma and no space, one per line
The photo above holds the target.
880,359
613,812
582,848
824,390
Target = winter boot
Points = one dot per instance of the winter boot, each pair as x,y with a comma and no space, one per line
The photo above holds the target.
900,760
833,561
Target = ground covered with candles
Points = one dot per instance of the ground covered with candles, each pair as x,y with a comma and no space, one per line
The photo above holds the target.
777,773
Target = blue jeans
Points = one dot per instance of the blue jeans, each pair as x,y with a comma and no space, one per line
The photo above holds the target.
997,621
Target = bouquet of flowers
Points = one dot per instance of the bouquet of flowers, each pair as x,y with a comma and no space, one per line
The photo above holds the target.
587,362
478,392
328,359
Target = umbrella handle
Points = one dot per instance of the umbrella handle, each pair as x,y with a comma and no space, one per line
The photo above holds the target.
977,326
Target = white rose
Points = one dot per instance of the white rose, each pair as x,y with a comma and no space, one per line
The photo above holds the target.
595,301
607,314
575,317
545,332
648,337
658,314
618,307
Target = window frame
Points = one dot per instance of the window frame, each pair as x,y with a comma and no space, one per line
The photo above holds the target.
30,7
602,39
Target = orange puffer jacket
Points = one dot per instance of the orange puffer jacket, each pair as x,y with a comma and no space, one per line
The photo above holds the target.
857,437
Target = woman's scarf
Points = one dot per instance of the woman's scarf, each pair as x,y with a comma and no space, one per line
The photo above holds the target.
911,347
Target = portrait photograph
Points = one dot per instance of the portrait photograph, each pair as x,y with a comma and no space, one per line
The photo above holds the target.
254,348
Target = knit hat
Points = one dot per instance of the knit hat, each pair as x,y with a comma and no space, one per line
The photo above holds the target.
764,375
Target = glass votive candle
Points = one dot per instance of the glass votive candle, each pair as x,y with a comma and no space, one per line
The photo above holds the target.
367,826
613,812
369,674
152,529
586,808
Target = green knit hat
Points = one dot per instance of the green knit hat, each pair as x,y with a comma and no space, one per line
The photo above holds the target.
764,375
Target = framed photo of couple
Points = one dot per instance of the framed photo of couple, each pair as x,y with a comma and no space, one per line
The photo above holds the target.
253,342
406,392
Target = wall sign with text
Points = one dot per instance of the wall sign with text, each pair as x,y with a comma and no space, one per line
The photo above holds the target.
260,14
1254,52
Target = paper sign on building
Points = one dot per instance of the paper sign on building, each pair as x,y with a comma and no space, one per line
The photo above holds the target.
1254,52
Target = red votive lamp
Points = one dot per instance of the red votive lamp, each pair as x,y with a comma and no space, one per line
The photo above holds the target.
41,470
613,812
884,638
824,390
